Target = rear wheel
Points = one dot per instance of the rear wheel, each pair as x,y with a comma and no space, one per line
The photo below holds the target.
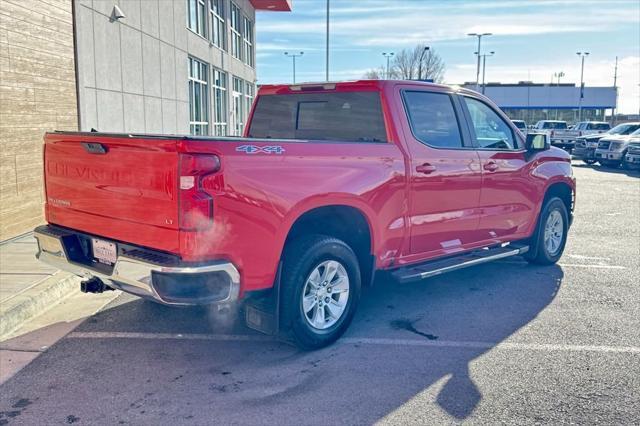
320,290
590,162
551,234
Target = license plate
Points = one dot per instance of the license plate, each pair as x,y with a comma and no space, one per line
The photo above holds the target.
104,251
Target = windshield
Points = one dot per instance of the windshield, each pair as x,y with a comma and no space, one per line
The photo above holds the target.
624,129
554,125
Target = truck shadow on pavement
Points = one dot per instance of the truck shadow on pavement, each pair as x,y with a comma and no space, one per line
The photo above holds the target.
378,370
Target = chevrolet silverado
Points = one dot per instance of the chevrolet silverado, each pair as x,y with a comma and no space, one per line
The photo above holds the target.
332,183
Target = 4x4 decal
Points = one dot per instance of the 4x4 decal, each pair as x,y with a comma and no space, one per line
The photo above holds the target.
254,149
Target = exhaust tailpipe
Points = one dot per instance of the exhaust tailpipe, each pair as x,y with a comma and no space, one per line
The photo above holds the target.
94,285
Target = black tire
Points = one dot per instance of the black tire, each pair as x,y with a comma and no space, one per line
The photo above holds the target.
301,257
539,253
590,162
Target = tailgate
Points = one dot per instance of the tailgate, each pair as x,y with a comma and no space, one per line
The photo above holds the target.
119,187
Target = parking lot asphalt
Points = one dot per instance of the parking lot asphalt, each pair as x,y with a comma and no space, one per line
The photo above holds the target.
505,342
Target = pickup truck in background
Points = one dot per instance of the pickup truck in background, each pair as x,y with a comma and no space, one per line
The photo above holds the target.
521,125
332,183
564,137
612,150
585,146
632,159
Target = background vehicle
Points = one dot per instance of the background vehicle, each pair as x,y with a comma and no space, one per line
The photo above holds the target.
585,146
556,130
520,124
632,159
612,150
334,182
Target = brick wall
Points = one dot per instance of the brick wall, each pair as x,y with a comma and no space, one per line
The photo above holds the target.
37,94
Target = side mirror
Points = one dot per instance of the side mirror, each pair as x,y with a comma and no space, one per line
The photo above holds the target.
537,142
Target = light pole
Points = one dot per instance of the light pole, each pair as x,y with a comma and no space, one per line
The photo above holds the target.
327,47
582,56
388,56
420,63
484,67
558,75
293,56
478,53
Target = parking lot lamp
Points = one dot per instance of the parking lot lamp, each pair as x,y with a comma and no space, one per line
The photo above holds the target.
479,52
484,66
420,62
388,56
582,56
293,56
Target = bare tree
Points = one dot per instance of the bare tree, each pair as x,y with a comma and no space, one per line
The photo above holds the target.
379,73
418,63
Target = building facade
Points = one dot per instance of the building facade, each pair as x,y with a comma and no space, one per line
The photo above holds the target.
37,94
132,66
532,102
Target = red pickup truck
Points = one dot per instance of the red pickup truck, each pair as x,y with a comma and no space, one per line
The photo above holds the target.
332,183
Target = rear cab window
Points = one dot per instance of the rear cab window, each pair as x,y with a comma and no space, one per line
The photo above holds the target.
334,116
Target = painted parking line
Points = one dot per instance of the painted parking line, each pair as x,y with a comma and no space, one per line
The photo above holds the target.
580,265
544,347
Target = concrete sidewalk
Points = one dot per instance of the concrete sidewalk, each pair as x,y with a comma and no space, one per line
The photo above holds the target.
28,287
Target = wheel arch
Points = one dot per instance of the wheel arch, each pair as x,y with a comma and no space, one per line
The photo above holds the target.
346,222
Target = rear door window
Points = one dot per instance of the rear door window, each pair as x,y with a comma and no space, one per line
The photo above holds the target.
335,116
433,119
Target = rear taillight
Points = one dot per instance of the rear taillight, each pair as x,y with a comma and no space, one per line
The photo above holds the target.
196,205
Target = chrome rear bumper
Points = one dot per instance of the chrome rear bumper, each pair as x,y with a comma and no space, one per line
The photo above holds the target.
135,275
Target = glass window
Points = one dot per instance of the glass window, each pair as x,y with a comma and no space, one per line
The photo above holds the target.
218,30
598,126
247,38
196,17
220,110
433,119
236,36
347,116
249,94
198,97
238,106
491,130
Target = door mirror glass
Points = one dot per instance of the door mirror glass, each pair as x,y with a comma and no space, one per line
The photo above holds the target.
537,142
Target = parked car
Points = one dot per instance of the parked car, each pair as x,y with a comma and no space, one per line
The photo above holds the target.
521,125
332,183
632,159
556,130
612,150
585,146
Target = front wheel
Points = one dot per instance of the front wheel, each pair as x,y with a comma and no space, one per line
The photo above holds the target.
590,162
611,164
551,234
320,290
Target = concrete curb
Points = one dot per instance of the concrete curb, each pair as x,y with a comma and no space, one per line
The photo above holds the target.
36,300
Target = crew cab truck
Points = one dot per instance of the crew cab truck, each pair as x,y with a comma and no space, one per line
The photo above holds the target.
332,183
558,132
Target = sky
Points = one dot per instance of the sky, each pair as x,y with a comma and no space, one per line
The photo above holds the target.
532,40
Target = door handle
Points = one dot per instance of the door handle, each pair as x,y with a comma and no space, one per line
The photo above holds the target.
425,168
490,166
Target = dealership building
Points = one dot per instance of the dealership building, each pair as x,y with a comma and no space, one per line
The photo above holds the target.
139,66
532,102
